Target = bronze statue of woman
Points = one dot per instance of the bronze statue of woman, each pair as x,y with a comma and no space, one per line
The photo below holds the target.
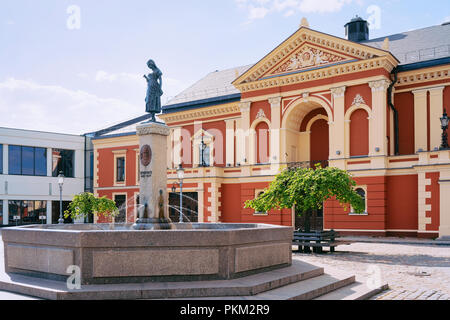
154,90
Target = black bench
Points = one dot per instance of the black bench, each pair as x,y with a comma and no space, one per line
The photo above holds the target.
316,240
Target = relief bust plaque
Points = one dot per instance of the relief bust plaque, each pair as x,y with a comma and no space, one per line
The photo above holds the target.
146,155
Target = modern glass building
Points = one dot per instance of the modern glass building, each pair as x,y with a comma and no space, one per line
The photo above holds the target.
30,162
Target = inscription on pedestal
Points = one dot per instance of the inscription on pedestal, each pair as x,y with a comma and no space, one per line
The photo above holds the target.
146,174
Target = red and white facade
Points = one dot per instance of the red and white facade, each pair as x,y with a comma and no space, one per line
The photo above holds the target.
314,98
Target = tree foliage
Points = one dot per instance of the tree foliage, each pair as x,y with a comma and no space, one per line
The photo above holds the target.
86,203
307,189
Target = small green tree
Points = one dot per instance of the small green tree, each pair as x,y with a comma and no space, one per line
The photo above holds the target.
307,189
86,203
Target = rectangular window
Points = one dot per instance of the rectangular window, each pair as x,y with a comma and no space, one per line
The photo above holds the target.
1,212
63,161
15,160
40,161
120,167
1,159
28,161
121,204
26,211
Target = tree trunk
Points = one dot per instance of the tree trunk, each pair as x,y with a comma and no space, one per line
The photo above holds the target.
307,216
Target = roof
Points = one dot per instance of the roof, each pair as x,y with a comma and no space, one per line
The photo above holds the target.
417,45
123,128
408,47
215,84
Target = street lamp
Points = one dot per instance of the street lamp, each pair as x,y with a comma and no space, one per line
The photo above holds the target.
444,126
203,147
60,183
180,174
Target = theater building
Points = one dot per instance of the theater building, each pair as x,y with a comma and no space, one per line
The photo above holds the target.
369,106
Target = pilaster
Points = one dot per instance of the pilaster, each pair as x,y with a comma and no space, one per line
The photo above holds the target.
338,148
275,135
378,126
245,125
420,120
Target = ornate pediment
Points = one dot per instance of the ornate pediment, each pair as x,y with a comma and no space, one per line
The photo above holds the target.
307,57
312,55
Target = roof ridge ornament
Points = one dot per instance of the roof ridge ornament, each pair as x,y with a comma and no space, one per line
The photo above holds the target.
304,23
385,45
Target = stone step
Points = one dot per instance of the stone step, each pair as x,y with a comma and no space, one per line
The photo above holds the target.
303,290
245,286
355,291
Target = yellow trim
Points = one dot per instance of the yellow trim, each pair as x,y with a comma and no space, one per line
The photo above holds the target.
311,122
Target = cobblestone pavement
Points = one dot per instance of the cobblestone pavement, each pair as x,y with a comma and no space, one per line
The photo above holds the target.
413,272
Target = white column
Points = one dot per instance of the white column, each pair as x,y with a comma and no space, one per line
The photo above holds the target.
229,156
245,125
337,133
420,120
436,111
378,125
239,142
49,162
49,212
177,146
275,121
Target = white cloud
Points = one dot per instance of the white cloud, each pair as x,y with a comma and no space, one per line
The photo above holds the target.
314,6
257,13
103,76
259,9
29,105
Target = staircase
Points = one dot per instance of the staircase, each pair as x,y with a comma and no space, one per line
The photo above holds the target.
300,281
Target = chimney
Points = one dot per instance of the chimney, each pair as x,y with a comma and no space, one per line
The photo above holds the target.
357,30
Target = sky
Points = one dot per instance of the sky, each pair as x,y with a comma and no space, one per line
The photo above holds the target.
77,66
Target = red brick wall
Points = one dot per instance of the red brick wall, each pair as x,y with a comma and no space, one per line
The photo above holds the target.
335,217
402,202
404,103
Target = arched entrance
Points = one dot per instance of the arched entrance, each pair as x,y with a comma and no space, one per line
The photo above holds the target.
306,137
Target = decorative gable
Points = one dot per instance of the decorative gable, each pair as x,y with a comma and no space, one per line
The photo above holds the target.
307,57
312,55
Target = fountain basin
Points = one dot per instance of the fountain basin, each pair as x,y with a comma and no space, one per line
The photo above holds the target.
115,253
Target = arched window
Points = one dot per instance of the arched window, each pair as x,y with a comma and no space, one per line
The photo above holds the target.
359,133
262,143
363,194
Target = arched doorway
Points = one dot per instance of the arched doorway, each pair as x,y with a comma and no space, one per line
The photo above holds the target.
306,129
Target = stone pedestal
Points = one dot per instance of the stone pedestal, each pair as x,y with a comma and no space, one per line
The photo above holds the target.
153,209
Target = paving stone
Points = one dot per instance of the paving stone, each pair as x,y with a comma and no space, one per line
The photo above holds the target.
400,266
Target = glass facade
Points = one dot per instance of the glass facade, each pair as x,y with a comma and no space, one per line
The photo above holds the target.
63,161
27,212
120,167
31,161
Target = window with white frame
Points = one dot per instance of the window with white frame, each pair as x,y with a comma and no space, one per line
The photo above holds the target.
362,192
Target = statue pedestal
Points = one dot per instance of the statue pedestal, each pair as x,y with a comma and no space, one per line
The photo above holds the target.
153,210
